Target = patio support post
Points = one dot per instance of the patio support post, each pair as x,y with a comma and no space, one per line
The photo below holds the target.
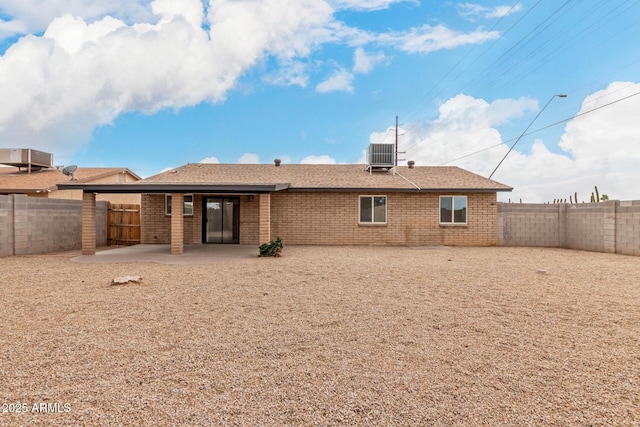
88,224
177,224
265,218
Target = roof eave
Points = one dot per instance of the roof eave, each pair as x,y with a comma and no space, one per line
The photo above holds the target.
401,190
172,188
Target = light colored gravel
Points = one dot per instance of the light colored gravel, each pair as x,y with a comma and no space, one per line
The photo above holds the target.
326,336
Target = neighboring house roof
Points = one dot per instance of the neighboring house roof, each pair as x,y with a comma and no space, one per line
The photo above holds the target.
15,180
268,177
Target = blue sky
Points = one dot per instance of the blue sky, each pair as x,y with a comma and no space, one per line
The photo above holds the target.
154,85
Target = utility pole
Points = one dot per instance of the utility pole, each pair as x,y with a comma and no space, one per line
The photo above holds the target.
395,159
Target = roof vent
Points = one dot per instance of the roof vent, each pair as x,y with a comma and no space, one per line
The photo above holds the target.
277,162
381,156
411,164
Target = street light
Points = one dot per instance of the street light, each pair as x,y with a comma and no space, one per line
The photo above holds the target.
525,131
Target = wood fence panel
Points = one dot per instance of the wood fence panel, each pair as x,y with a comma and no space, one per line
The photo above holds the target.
123,224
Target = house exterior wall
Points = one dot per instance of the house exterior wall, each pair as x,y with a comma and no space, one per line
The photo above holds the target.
38,225
332,218
155,226
117,178
126,199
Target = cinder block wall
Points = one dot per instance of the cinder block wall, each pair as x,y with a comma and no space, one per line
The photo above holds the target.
612,226
32,225
628,227
6,225
527,224
412,219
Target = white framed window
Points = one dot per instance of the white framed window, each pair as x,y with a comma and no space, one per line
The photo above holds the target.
187,205
453,209
372,209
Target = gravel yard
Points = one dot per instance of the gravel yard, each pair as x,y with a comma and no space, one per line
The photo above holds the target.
324,336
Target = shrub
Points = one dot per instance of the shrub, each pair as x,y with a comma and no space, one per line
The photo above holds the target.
273,248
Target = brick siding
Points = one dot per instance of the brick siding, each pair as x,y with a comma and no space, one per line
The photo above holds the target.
155,226
332,218
412,219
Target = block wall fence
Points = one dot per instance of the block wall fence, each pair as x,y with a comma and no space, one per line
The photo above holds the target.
612,226
33,225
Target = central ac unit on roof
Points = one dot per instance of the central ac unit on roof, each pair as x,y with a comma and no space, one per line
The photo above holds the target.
381,155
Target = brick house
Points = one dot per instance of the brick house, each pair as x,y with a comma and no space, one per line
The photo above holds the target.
31,172
309,204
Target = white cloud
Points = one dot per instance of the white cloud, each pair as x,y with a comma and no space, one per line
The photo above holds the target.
318,160
427,39
211,159
465,125
97,60
341,80
364,62
290,73
81,74
600,147
34,16
364,4
11,28
473,11
249,158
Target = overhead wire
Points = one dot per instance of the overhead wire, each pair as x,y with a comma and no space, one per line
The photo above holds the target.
412,144
407,113
544,127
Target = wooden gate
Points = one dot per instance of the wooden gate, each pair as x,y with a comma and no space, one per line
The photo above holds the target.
123,224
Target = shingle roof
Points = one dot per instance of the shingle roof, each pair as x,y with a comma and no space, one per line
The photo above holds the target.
324,177
12,179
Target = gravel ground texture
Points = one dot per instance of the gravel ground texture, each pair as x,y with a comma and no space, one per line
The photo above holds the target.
366,336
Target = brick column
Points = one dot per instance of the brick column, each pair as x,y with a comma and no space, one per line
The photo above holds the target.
562,225
265,218
177,224
88,224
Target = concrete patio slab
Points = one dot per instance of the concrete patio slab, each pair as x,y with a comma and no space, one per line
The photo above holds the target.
193,254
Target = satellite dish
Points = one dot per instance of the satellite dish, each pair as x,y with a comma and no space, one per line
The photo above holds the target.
69,170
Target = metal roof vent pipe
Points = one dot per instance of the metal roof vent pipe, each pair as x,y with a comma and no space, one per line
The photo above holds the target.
277,162
411,164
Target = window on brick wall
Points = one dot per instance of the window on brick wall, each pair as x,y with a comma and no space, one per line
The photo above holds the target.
453,209
373,209
187,205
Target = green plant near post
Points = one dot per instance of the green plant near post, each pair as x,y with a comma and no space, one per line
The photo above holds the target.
273,248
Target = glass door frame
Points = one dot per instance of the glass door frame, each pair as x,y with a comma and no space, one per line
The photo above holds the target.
235,234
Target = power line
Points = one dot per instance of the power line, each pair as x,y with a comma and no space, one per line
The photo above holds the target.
542,128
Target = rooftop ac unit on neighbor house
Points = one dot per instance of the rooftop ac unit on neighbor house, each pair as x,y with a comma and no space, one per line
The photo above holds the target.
381,156
25,157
